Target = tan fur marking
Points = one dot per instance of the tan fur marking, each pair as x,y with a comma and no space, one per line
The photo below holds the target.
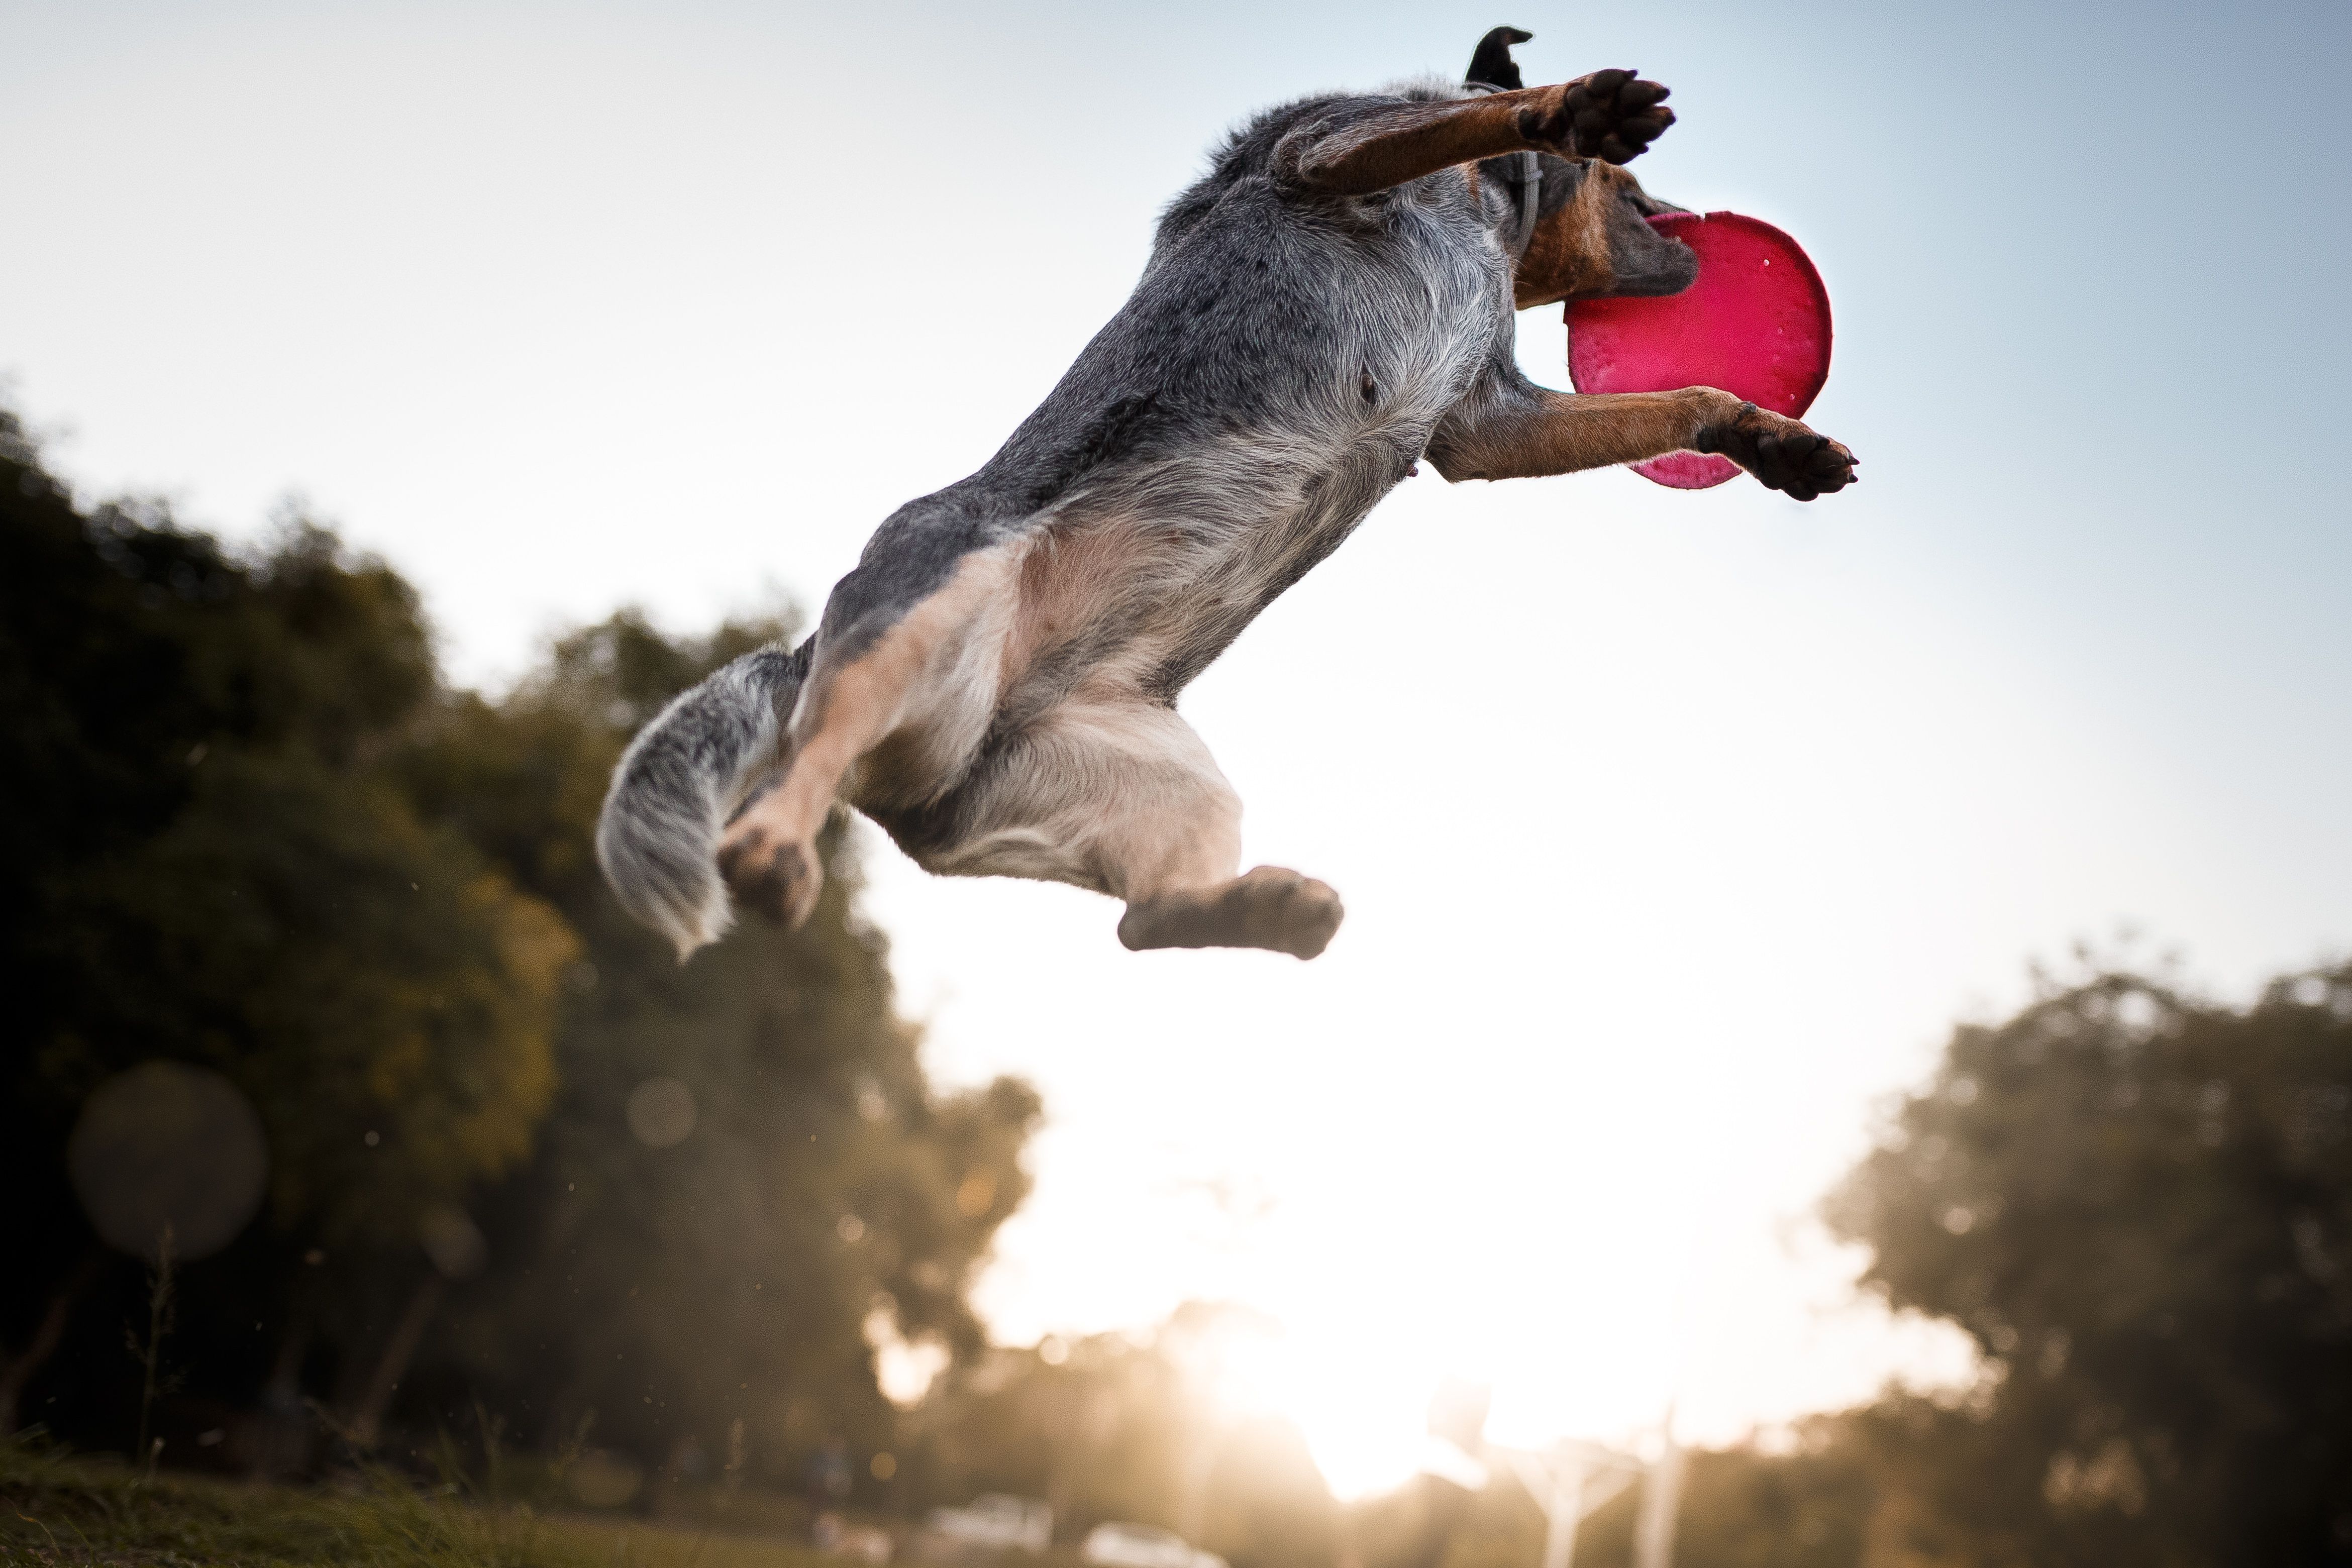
1407,141
1416,139
934,674
911,671
1562,434
1070,579
1568,255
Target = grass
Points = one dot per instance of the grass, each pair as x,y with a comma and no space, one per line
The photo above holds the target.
56,1510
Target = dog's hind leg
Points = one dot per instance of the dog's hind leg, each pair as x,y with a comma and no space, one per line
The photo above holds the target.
899,717
1121,797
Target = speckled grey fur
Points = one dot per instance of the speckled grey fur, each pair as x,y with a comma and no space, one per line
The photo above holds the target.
1284,360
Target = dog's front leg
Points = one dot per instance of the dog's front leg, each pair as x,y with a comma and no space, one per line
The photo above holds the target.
1524,433
1611,115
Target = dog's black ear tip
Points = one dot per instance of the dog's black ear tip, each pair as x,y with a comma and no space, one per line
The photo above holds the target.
1491,63
1499,40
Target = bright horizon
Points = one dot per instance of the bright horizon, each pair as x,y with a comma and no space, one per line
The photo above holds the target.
1674,831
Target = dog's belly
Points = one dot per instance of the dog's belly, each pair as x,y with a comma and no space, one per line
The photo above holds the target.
1131,576
1133,592
1126,593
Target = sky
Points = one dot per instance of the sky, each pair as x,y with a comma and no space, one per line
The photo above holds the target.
1676,829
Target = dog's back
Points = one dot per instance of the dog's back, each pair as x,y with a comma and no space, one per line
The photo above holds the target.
1272,335
1277,368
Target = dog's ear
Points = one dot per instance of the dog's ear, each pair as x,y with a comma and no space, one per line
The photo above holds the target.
1592,239
1491,63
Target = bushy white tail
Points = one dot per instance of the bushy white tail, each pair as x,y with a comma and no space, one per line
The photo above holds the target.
680,780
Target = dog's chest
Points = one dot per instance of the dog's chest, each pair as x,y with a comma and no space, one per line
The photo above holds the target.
1164,561
1381,394
1255,509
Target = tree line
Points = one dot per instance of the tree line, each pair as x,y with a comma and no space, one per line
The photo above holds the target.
523,1172
515,1155
2137,1205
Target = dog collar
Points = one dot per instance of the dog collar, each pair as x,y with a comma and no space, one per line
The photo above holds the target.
1525,186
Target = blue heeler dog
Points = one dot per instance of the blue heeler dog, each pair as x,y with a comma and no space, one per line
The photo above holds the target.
996,682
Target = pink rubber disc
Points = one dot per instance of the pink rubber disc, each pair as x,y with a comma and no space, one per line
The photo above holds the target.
1757,324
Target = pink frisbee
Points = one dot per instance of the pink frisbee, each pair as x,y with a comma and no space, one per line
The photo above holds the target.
1756,324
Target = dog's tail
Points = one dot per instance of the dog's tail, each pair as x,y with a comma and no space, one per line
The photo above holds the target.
680,781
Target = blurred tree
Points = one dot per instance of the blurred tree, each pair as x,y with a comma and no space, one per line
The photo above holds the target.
1118,1428
812,1195
1808,1504
209,863
517,1151
2140,1207
1268,1505
1431,1519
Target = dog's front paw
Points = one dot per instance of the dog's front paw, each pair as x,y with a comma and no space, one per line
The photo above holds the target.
1783,454
1611,115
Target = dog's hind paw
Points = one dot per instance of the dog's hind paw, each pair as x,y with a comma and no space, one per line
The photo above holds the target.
1611,115
775,875
1269,907
1783,454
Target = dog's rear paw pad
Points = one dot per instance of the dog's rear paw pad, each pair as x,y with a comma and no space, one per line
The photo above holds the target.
775,876
1270,907
1285,912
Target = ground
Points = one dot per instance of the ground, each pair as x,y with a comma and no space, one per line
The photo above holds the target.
58,1510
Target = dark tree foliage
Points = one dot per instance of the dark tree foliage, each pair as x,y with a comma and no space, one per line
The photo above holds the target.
208,862
248,826
1809,1506
2140,1207
673,1289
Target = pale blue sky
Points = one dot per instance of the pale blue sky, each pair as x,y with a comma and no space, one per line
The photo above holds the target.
1714,808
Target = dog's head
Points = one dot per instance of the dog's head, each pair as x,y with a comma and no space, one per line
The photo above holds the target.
1591,238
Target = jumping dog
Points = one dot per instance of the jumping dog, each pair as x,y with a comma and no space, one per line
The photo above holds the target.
995,683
